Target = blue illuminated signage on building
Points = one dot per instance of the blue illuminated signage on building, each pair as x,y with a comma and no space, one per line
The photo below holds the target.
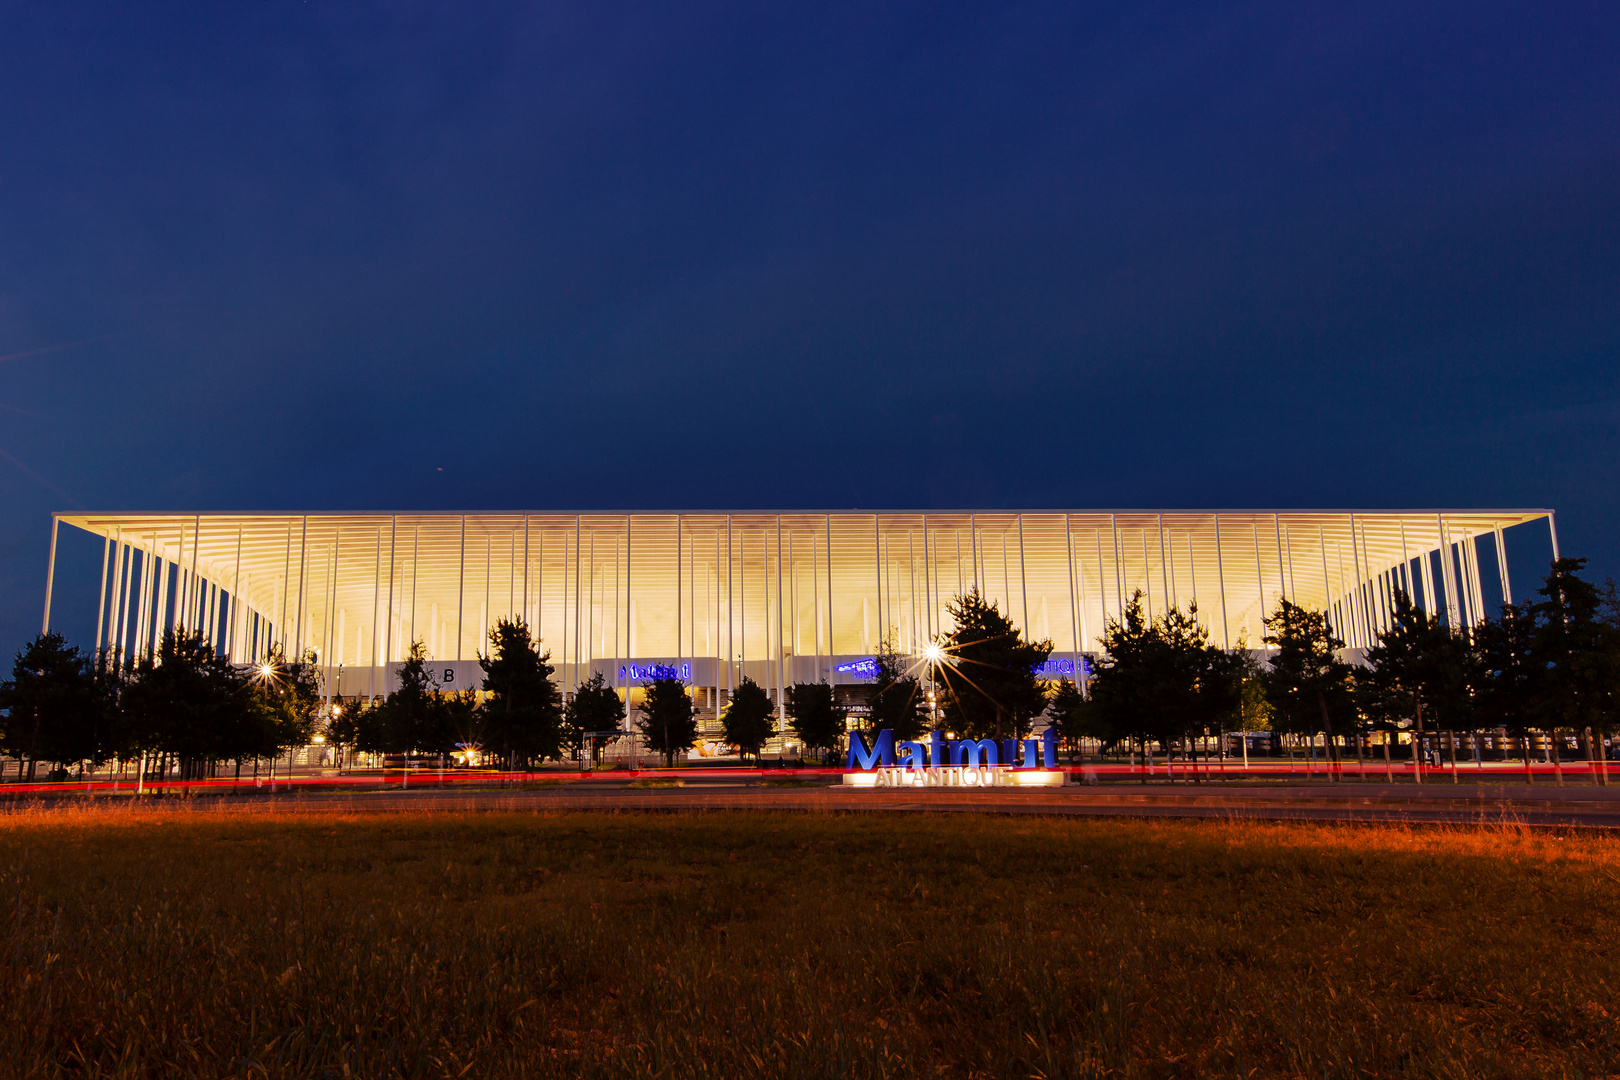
1057,668
649,672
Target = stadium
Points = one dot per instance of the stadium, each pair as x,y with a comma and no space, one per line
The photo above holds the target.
780,597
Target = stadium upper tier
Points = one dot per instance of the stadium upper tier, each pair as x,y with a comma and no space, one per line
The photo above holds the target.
792,595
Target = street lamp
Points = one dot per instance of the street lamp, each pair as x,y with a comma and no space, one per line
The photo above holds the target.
934,655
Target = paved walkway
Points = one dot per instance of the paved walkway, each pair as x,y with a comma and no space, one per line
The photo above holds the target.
1441,803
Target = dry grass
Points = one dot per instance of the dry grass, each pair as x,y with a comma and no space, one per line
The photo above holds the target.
753,945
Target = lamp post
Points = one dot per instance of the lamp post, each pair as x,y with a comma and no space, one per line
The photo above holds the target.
934,655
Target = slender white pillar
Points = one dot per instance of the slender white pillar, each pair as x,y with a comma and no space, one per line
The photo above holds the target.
831,652
1502,567
376,596
1448,572
50,577
232,638
1164,571
1552,532
1220,577
1276,528
1023,577
388,619
781,659
101,599
680,598
1260,579
126,570
1074,602
461,591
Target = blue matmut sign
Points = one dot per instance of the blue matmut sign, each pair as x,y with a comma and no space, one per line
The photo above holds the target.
937,752
648,672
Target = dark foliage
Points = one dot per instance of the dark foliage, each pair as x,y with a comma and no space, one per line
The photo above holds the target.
595,706
898,701
1161,680
523,713
817,717
57,706
1306,682
989,684
668,719
750,718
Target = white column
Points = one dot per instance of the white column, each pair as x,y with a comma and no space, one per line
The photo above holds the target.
1119,575
877,565
1074,602
126,573
232,635
1220,577
731,619
1164,570
1552,531
1502,566
830,650
1448,570
388,620
101,600
194,597
781,660
1023,578
1276,528
461,590
680,598
376,591
50,577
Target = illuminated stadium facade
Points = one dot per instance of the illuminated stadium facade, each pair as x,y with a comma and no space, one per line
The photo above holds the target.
783,598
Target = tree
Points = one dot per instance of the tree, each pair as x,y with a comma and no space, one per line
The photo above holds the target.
897,701
990,681
1575,653
1161,680
1306,683
1507,687
413,717
1419,669
1124,688
669,719
1074,717
523,713
595,706
188,701
289,700
817,717
749,719
57,707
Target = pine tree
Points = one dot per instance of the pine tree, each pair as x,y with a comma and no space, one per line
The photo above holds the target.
897,702
1306,682
990,686
817,717
595,706
749,720
57,708
523,714
669,719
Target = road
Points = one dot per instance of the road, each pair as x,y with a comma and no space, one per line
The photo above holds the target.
1434,803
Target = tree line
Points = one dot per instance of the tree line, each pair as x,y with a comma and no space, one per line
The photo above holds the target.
183,706
1549,666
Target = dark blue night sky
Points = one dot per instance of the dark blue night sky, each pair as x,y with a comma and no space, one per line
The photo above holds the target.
306,256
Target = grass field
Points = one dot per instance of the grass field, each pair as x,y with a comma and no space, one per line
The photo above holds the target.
754,945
